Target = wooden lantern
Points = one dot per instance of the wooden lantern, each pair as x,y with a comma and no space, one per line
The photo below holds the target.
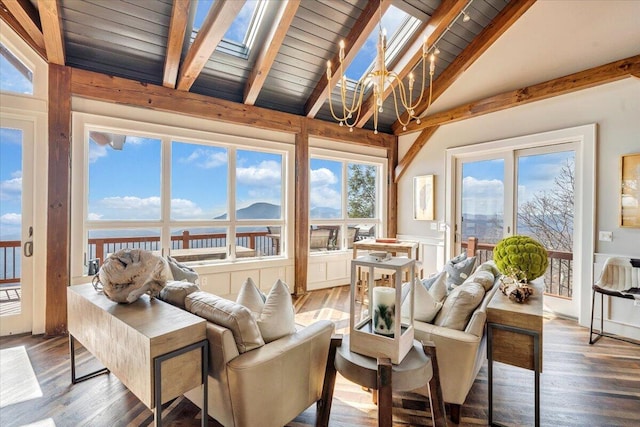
379,331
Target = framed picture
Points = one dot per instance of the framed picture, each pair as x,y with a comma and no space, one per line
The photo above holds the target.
423,198
630,191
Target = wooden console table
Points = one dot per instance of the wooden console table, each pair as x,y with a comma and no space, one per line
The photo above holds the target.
514,337
156,350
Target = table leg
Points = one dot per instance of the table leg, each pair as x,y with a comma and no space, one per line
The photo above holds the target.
438,414
323,406
385,400
74,379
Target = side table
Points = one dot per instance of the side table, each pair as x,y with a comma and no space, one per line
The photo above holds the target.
514,337
417,369
156,350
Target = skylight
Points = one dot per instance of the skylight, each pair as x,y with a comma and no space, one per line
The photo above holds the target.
399,27
240,36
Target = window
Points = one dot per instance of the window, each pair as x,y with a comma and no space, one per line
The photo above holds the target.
240,36
399,25
345,200
197,197
15,76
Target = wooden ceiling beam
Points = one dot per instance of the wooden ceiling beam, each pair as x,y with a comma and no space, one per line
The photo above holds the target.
413,151
27,16
607,73
13,23
177,30
216,24
117,90
52,30
442,17
366,22
561,86
270,48
500,24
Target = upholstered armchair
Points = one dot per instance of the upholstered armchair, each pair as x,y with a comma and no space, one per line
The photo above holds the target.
267,386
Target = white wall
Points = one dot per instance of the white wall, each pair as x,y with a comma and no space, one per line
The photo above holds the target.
614,107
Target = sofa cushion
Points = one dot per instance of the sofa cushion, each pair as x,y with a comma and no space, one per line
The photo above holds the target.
275,314
483,277
175,292
228,314
425,306
437,286
458,270
181,272
459,305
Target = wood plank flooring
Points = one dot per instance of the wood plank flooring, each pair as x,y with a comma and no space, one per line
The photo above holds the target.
581,385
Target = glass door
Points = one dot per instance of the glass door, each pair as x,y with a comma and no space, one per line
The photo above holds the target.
16,230
528,192
545,211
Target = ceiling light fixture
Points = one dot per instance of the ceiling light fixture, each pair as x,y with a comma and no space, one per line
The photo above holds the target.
466,17
380,78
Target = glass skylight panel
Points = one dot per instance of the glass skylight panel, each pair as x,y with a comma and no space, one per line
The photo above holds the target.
240,36
399,27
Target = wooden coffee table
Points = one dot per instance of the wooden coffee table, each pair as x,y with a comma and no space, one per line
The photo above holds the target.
417,369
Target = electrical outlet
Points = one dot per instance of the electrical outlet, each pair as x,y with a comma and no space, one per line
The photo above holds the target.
636,302
442,226
203,282
434,226
605,236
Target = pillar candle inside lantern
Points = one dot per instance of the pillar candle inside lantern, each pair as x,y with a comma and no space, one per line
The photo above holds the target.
384,300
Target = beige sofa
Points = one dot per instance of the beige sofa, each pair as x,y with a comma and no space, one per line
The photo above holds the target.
461,353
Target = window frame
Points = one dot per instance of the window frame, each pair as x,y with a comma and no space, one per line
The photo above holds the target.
32,61
344,221
83,123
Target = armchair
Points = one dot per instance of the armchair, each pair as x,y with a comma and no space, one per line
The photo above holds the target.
268,386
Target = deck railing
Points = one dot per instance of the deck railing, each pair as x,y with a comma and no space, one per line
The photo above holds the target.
558,279
255,240
10,257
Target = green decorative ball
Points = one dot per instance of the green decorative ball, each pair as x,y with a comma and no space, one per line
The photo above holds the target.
521,256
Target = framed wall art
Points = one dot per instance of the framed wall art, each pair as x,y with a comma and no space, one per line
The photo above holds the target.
630,190
423,208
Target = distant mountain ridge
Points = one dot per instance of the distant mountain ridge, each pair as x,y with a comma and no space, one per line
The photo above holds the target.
260,210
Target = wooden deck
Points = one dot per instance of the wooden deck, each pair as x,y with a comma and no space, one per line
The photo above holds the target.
581,385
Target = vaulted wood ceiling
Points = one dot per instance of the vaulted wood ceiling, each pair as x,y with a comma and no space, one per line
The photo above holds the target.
150,41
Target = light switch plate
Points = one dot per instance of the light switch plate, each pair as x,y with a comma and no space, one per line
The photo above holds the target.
605,236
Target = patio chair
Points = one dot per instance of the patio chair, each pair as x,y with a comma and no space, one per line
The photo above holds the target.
620,277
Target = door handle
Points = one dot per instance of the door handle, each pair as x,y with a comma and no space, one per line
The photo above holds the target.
28,249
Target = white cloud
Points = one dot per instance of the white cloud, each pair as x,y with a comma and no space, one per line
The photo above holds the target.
267,173
206,159
482,196
324,196
11,219
96,151
11,189
94,216
322,176
185,209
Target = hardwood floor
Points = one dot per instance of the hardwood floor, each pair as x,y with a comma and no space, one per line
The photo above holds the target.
581,385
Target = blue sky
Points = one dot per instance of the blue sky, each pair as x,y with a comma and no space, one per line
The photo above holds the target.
12,80
10,183
483,181
238,29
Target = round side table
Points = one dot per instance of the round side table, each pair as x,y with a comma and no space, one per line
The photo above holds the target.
416,370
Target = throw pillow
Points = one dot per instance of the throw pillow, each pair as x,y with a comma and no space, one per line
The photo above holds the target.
228,314
182,272
425,306
458,272
437,286
275,315
175,292
459,306
485,278
251,297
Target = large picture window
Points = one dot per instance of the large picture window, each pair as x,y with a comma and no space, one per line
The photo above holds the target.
194,196
345,200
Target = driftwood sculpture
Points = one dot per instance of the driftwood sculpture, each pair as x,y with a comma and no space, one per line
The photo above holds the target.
129,273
